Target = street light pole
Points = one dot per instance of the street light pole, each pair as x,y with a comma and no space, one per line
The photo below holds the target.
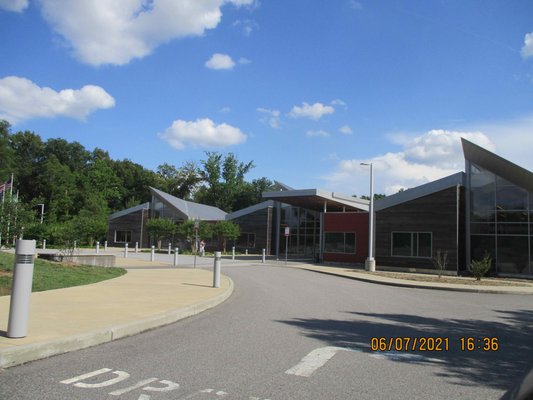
370,263
42,211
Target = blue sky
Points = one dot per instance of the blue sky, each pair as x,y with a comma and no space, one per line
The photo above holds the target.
306,89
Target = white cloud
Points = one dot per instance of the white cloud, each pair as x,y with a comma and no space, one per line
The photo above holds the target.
225,110
272,117
247,25
527,50
115,32
244,61
14,5
319,133
314,111
346,130
22,99
425,158
202,133
220,61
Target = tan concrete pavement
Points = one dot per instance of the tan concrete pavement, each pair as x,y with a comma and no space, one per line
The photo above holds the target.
148,296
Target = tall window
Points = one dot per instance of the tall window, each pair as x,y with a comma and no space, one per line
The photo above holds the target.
246,240
339,242
412,244
122,236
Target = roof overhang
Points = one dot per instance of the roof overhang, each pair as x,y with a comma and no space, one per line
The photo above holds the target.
498,165
317,199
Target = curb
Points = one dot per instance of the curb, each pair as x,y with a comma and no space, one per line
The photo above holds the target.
31,352
420,285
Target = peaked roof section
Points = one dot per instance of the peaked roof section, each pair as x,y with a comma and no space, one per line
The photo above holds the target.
314,199
420,191
249,210
190,209
498,165
144,206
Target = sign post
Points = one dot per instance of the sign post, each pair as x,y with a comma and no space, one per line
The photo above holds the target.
287,234
196,229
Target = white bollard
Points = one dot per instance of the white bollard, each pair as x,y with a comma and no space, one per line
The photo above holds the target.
125,250
233,253
19,307
105,246
169,248
44,244
152,254
264,256
97,247
216,269
246,251
176,253
136,247
75,244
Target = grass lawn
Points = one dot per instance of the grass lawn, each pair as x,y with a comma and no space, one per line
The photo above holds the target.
52,275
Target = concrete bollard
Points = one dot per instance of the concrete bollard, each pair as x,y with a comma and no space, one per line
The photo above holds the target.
216,269
152,254
176,253
19,306
105,246
44,244
233,253
246,252
125,250
75,244
169,248
264,256
136,247
97,247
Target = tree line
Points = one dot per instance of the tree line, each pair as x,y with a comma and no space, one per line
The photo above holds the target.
80,188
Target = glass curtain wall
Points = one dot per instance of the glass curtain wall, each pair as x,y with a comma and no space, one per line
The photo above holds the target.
304,225
501,222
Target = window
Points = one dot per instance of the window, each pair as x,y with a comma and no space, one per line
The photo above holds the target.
246,240
122,236
339,242
412,244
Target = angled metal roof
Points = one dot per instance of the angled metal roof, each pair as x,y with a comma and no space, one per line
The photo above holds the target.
189,209
498,165
420,191
127,211
314,199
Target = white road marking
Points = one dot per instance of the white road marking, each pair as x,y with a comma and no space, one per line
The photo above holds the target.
85,376
121,375
138,385
169,387
314,360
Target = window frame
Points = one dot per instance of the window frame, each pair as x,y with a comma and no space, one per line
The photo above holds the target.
343,242
415,252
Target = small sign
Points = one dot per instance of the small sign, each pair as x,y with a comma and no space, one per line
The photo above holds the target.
197,224
287,231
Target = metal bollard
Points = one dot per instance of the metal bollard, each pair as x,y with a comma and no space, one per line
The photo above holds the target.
233,253
176,253
152,254
44,244
97,247
246,251
169,248
105,246
19,307
75,244
264,256
136,247
216,269
125,250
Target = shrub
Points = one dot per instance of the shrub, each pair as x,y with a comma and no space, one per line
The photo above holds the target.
479,268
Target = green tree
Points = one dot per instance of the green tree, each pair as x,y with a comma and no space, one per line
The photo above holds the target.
226,230
15,216
7,156
187,232
182,182
224,178
160,228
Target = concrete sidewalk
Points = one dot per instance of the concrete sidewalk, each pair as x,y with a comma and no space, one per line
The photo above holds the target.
150,295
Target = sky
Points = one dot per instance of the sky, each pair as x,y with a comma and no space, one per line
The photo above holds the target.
307,90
